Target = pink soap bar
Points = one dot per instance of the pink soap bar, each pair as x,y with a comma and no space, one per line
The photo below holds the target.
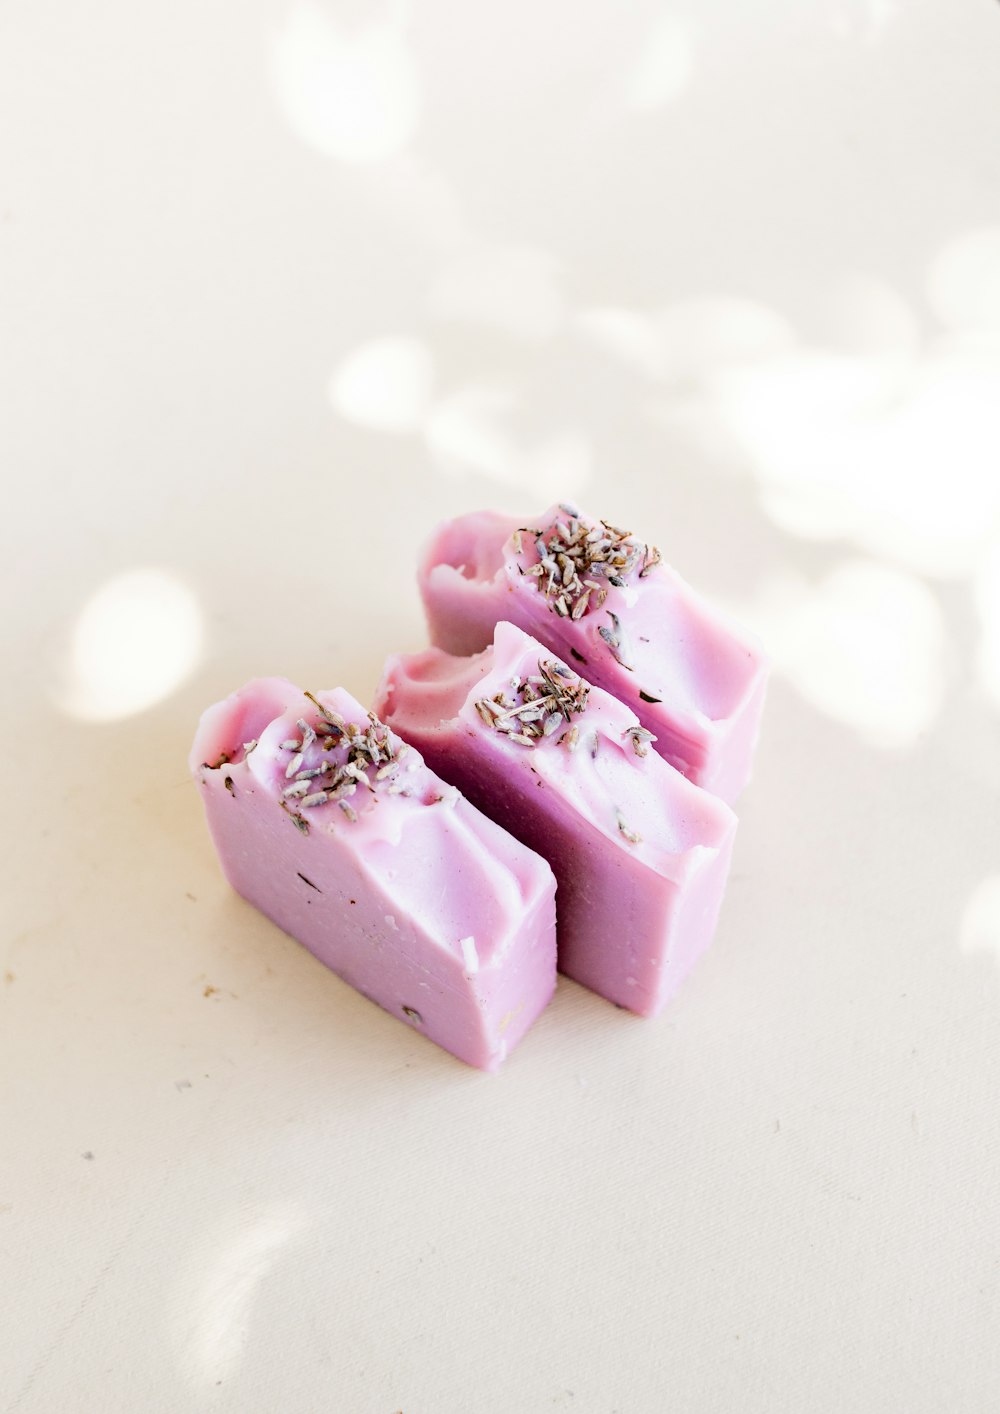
606,603
329,824
639,852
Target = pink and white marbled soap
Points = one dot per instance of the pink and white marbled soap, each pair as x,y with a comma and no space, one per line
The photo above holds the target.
640,853
606,603
330,825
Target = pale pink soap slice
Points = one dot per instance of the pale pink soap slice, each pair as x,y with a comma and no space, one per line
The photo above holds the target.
341,834
639,852
605,602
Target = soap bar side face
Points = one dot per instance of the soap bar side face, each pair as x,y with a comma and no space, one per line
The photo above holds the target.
606,603
631,841
472,966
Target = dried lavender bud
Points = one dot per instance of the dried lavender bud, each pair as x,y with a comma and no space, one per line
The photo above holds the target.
573,556
541,703
630,835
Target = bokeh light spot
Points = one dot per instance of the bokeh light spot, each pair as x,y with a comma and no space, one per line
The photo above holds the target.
353,95
134,643
980,928
866,647
384,384
221,1282
663,69
901,457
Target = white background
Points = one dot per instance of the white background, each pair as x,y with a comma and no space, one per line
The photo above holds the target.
281,286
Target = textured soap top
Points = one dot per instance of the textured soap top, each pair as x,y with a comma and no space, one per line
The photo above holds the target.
582,743
576,561
586,569
335,771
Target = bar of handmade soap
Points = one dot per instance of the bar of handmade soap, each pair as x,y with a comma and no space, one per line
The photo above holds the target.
639,852
341,834
606,603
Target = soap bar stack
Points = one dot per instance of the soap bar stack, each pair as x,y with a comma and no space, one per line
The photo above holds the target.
548,785
606,601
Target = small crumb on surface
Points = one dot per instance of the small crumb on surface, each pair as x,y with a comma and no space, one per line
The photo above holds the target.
87,1155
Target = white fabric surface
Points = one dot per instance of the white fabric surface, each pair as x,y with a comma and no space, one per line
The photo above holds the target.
281,286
